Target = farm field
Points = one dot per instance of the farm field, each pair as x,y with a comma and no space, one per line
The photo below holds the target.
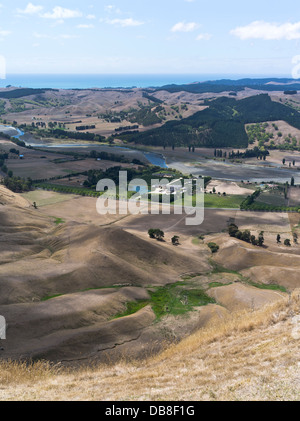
45,198
228,201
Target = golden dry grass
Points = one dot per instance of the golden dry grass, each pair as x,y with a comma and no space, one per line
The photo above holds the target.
247,356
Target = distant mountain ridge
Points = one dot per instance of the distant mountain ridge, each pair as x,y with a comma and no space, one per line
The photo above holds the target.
227,85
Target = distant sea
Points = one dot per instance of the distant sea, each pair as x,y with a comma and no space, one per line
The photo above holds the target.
73,81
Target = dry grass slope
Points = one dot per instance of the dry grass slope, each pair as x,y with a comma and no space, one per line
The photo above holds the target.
62,284
249,355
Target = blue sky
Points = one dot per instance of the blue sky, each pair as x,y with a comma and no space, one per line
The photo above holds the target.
260,37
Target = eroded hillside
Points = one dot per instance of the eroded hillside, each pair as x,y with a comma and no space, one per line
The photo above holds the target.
77,288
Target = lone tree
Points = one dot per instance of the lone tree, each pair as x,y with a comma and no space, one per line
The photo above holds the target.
232,230
287,242
156,233
175,240
295,237
278,238
214,247
261,239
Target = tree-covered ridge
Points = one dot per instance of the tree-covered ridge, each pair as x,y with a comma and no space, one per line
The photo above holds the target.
19,93
221,124
227,85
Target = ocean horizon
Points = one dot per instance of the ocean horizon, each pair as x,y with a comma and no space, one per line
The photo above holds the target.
89,81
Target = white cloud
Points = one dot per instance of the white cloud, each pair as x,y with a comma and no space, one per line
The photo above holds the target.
62,13
124,22
91,17
4,33
112,9
30,9
67,36
85,26
55,37
184,27
205,37
268,31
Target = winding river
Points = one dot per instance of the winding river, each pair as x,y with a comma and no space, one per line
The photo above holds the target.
260,172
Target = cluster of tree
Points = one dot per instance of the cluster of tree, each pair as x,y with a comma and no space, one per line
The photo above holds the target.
19,93
287,241
127,132
290,164
2,107
144,116
258,132
156,233
51,124
290,92
65,134
59,177
124,128
256,152
92,126
113,116
245,235
145,173
14,151
3,157
248,202
152,98
74,135
17,184
219,153
286,146
264,207
19,143
65,189
5,135
213,247
114,157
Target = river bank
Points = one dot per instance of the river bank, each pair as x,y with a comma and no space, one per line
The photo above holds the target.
201,162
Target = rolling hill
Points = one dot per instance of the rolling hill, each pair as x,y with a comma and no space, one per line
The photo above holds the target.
221,124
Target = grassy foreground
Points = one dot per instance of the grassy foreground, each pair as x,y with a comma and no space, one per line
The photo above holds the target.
245,356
